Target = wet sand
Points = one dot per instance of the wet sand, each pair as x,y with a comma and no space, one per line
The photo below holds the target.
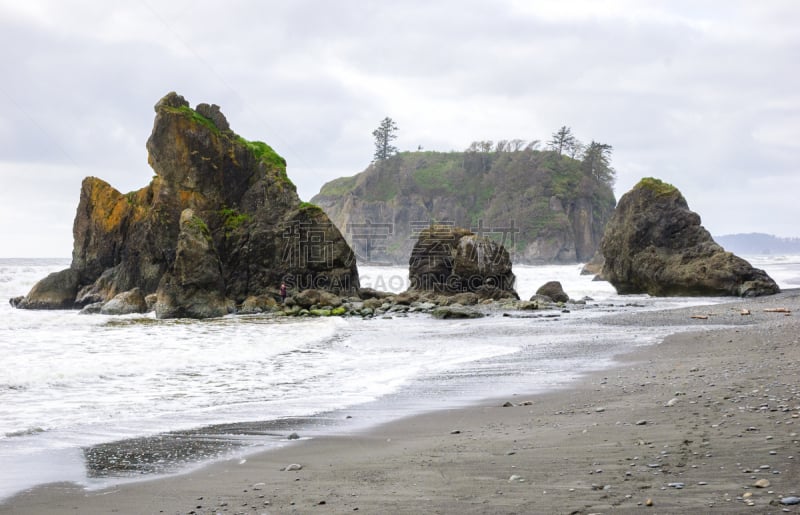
705,422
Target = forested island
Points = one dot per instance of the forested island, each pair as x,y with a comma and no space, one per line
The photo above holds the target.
545,205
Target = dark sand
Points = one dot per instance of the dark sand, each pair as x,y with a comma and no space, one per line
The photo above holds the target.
690,425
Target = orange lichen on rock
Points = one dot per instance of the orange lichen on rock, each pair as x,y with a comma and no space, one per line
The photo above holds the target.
109,205
190,199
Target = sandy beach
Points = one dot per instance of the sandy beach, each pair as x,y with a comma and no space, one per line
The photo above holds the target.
705,422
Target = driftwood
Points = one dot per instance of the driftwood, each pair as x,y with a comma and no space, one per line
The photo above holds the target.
744,312
777,310
700,317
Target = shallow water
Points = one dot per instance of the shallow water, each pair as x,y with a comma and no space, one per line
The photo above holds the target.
99,399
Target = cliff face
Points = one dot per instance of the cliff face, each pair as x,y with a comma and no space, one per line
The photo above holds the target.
257,227
655,244
539,205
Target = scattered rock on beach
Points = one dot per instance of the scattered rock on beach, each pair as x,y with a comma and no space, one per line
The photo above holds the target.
293,467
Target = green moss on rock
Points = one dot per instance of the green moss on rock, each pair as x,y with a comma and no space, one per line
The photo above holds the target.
233,219
311,208
657,186
193,115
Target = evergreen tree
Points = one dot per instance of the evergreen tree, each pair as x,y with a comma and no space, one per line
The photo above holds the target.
563,141
384,135
597,162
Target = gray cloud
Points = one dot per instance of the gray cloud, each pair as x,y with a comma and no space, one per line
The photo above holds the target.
700,94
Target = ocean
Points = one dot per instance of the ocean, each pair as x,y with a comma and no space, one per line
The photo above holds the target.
99,400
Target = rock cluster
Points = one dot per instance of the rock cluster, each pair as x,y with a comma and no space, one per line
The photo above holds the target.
451,260
655,244
219,223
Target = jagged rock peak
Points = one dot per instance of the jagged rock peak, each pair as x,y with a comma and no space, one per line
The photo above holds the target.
259,233
173,100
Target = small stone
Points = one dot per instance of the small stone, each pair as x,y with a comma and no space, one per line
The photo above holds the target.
293,436
671,402
641,422
293,467
791,500
599,410
762,483
508,404
648,502
455,432
514,478
677,486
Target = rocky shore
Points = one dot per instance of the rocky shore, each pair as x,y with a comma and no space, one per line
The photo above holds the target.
706,421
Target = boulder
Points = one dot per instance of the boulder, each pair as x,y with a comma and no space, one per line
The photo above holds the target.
450,260
457,312
553,290
195,287
655,244
308,298
125,303
92,309
263,234
56,291
594,266
257,304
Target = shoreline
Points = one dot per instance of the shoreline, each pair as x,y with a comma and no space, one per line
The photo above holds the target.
702,411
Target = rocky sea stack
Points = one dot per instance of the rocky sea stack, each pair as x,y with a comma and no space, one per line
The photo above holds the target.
655,244
451,260
219,222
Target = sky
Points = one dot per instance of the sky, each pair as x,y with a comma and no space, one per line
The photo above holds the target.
704,95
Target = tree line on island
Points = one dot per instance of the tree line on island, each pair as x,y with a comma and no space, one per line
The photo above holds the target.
595,156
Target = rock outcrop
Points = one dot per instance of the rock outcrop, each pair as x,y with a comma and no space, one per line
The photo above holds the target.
195,287
543,207
655,244
453,260
255,225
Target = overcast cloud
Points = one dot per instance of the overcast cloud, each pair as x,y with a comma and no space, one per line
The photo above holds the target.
704,95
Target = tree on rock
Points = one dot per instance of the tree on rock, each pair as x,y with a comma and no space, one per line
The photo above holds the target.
563,141
597,162
384,135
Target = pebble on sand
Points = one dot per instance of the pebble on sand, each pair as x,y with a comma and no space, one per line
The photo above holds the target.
762,483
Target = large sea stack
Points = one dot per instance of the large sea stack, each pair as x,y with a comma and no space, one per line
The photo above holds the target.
449,260
244,233
655,244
